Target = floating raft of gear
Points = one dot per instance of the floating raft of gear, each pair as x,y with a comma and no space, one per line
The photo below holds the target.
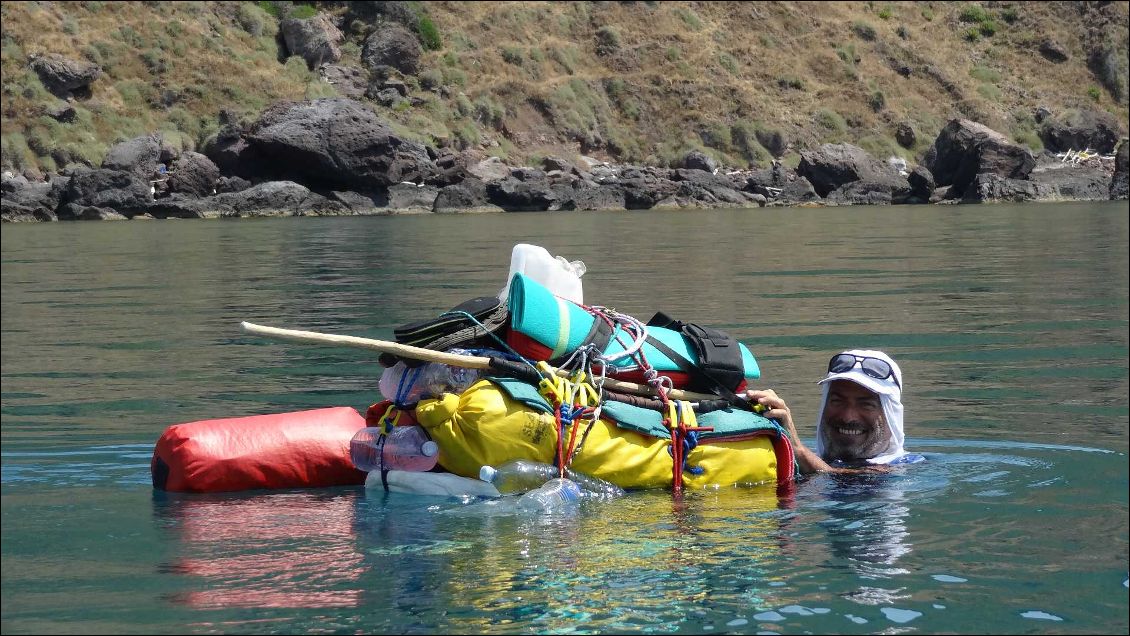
640,405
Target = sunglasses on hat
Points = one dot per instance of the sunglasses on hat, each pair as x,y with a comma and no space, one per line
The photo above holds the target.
871,367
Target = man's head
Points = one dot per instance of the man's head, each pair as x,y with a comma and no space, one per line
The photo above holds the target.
861,412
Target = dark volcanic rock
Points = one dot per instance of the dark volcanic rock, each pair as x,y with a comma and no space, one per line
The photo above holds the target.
965,149
63,76
833,165
921,184
989,187
193,173
337,143
1096,130
1119,185
138,156
696,160
116,190
392,46
1073,183
315,39
277,198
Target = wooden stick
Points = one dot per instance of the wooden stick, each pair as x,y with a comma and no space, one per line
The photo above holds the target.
453,359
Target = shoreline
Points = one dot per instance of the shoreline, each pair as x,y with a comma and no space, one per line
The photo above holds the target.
352,163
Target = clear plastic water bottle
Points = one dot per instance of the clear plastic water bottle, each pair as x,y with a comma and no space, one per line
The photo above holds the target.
552,495
405,448
522,475
407,386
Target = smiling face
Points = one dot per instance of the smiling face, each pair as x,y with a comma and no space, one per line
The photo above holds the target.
853,427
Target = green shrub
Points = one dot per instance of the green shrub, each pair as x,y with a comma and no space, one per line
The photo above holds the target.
271,8
877,101
864,31
608,40
672,53
728,62
973,13
985,74
988,28
431,79
1010,14
886,12
832,122
454,77
429,34
303,12
989,92
251,18
513,55
1094,93
1029,138
972,34
791,81
463,105
928,15
689,17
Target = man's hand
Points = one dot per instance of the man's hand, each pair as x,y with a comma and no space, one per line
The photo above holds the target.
809,461
777,410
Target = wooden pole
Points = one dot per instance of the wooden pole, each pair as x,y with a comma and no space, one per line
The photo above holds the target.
453,359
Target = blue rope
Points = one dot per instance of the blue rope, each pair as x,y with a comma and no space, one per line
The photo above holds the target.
403,389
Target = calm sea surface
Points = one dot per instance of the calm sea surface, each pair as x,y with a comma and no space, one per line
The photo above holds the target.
1010,323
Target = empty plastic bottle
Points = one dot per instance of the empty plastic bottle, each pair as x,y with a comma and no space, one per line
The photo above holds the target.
552,495
405,448
522,475
407,386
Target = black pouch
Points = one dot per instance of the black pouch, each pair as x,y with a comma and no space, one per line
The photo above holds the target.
720,364
467,325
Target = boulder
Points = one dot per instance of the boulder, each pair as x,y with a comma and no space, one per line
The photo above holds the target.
181,206
988,188
1118,184
337,143
921,184
359,203
193,173
64,76
965,149
315,39
905,136
490,169
31,201
1079,130
231,184
277,198
409,197
117,190
62,112
1053,51
349,81
798,191
696,160
1073,183
833,165
513,194
393,46
467,196
138,156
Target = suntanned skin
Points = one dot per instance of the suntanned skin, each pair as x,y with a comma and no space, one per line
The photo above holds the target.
853,425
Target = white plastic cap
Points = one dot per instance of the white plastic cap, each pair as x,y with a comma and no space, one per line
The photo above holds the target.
487,473
429,449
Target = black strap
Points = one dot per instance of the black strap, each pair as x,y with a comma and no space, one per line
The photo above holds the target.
600,334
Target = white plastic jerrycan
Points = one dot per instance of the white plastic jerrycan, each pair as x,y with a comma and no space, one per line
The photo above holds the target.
559,275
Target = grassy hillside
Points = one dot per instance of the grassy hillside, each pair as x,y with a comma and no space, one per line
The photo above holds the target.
633,81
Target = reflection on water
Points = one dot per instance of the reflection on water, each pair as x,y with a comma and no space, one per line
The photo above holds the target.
266,550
